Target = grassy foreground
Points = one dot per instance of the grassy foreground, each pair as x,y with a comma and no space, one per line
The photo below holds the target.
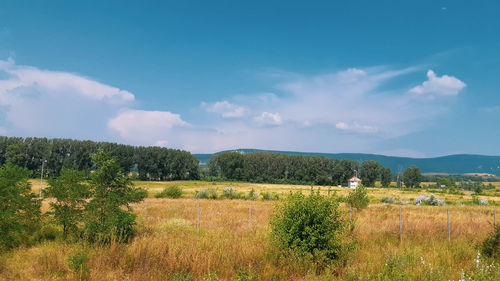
168,246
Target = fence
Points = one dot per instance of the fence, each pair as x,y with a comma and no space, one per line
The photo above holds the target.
400,214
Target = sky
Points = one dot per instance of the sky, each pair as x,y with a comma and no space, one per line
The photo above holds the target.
404,78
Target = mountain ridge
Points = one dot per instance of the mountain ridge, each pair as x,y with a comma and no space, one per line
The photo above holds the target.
450,164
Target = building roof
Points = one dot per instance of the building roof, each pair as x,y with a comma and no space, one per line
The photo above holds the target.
354,179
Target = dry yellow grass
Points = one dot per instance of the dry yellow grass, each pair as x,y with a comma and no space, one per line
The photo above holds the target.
167,242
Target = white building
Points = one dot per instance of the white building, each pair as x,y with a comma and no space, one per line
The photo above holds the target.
353,182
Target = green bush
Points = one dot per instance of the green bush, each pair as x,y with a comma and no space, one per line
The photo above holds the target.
252,195
70,192
19,210
78,264
108,216
229,193
269,196
172,191
311,227
358,198
48,232
491,245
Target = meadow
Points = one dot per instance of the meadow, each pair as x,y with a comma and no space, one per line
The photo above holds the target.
228,246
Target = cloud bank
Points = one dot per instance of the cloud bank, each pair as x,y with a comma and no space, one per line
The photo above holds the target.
349,110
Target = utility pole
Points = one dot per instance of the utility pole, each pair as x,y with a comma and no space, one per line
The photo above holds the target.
41,178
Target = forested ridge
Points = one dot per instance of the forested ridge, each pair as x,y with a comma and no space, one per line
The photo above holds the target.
450,164
148,163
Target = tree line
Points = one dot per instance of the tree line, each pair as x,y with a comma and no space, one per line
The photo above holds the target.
147,163
295,169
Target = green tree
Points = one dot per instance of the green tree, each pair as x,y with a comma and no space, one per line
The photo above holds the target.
19,212
370,171
310,225
108,215
412,177
358,198
70,192
386,177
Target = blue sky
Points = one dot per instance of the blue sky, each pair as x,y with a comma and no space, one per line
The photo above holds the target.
411,78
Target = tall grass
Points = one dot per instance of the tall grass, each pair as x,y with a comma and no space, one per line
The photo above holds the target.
168,246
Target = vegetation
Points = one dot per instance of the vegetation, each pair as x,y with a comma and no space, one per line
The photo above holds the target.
386,177
108,215
226,249
491,245
19,212
412,177
172,191
358,198
149,163
370,171
281,168
70,192
310,226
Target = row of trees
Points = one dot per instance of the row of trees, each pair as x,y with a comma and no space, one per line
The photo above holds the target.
283,168
97,210
150,163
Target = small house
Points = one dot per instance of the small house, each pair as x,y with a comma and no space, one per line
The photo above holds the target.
354,182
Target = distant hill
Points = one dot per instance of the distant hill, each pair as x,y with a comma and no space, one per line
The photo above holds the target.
451,164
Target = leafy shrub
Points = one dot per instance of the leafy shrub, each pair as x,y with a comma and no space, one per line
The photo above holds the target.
78,264
70,193
429,200
252,195
229,193
19,211
358,198
269,196
108,216
206,194
47,232
172,191
491,245
311,226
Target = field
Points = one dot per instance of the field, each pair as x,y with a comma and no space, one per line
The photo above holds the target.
227,246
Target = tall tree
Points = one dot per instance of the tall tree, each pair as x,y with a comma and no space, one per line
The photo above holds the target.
386,177
19,211
70,192
370,170
412,177
109,215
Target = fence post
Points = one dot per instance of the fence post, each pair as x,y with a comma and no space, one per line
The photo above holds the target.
198,217
350,214
494,218
400,227
449,233
250,216
145,214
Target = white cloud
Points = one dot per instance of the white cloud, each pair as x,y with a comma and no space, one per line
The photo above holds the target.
269,119
56,104
161,143
355,127
225,109
142,125
444,85
57,83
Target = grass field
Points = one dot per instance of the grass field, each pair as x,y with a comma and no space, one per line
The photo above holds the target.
168,246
